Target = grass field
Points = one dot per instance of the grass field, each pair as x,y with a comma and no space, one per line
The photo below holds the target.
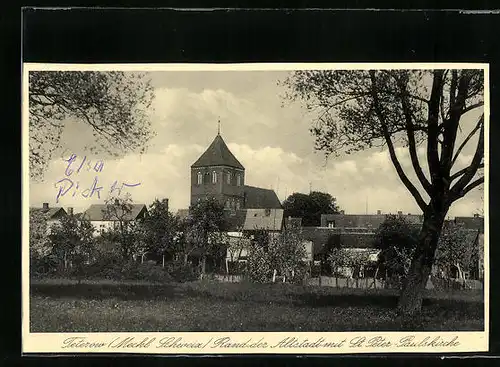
64,306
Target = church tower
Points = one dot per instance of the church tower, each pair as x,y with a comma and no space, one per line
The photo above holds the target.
217,173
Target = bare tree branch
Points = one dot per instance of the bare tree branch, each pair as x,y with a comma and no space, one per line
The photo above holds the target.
399,169
462,171
433,128
411,136
471,107
458,188
476,128
473,185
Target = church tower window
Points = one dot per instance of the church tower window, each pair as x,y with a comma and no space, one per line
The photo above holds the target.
200,178
214,177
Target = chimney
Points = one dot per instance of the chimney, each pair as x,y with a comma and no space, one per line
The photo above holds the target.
46,206
379,212
70,210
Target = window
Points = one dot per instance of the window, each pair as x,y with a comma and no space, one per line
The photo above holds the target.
331,224
268,212
200,178
238,180
214,177
229,178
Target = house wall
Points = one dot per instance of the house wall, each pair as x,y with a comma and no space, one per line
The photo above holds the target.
102,226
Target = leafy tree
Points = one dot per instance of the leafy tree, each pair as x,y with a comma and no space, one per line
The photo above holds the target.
112,104
456,249
397,239
125,231
310,206
283,252
160,229
204,227
73,243
360,109
38,234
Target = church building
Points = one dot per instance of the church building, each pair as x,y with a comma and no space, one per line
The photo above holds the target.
218,173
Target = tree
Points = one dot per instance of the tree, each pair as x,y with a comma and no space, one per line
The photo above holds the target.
360,109
38,234
352,259
456,250
204,227
125,230
160,229
283,252
112,104
397,239
310,207
73,243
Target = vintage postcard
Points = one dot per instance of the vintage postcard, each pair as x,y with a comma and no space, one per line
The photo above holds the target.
255,208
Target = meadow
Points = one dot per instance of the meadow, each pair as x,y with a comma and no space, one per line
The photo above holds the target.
109,306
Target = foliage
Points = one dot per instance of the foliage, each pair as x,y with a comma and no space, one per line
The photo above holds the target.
133,270
73,243
310,206
181,272
360,109
38,234
113,105
204,227
160,229
456,249
397,239
126,233
285,253
341,257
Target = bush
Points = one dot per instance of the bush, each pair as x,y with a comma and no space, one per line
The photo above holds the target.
181,272
44,266
146,272
108,265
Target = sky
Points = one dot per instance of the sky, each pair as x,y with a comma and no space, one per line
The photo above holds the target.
268,135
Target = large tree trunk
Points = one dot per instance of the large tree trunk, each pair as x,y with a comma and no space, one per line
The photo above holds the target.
410,301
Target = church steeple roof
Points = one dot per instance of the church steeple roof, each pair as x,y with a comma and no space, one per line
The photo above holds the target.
217,154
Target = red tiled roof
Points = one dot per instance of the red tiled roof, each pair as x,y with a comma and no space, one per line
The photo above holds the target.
217,154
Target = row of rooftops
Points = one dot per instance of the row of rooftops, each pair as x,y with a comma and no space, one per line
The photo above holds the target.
270,218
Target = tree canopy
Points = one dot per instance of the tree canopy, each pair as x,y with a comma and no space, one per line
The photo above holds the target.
112,104
204,225
397,239
310,206
160,228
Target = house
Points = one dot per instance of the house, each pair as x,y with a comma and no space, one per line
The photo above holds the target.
104,217
51,214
